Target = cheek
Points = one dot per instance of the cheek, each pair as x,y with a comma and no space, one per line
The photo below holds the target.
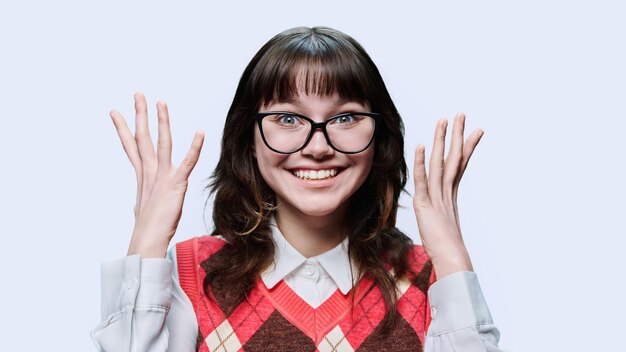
259,151
366,160
267,161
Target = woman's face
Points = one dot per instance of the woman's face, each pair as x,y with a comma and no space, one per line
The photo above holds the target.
286,173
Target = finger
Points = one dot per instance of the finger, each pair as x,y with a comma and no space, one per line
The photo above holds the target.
455,155
146,151
127,139
130,147
190,160
142,132
435,170
419,177
164,142
468,150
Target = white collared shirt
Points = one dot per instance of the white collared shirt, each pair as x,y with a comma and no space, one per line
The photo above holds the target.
314,279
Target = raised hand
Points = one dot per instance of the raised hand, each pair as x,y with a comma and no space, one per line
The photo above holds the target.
435,199
161,187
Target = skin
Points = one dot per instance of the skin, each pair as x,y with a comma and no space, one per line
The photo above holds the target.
435,199
310,216
161,187
310,213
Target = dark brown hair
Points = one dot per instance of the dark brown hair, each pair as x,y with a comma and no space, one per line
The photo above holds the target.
319,61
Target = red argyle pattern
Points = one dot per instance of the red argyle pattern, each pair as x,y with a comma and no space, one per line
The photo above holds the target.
278,319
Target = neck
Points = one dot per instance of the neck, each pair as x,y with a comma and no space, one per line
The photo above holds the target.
311,235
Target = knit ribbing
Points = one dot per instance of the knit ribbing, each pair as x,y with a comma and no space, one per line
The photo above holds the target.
314,322
187,264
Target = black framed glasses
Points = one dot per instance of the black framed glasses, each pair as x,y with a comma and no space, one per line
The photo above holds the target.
287,132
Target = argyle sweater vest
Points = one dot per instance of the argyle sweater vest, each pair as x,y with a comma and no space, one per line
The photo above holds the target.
278,319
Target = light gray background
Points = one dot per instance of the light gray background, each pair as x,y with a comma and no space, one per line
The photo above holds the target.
541,203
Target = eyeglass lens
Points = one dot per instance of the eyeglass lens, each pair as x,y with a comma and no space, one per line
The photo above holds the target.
347,133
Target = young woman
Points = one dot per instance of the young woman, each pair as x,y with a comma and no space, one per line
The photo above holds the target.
305,254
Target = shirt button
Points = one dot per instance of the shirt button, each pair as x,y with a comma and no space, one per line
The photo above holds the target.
433,312
308,271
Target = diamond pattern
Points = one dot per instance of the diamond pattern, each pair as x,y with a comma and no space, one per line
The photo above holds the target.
412,306
335,341
223,339
278,334
402,338
262,322
403,285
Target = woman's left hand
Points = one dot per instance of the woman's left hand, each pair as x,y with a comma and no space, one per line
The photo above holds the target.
435,199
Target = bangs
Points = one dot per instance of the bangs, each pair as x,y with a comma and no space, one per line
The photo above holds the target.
314,64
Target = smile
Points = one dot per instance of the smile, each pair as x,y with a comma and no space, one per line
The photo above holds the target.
315,174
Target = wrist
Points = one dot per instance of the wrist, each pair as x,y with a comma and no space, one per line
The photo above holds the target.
450,263
147,248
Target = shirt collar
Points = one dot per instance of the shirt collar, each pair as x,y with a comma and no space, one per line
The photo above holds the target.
335,261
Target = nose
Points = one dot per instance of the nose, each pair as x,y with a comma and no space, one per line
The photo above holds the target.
318,147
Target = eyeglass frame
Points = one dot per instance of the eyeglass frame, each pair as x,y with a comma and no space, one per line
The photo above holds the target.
317,126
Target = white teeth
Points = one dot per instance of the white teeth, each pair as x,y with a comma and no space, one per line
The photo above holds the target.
315,174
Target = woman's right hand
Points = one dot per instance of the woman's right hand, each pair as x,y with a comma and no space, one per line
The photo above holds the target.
161,187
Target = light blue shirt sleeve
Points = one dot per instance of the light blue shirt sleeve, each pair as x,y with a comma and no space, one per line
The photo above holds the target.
144,308
460,317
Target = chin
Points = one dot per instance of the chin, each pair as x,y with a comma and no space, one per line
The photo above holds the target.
317,212
313,209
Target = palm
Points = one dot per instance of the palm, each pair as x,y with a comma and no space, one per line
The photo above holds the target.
435,199
161,187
